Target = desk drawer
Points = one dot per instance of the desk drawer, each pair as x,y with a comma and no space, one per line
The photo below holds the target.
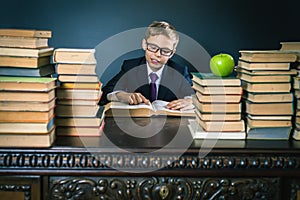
163,188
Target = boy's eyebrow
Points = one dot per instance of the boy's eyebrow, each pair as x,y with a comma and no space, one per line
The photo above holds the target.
159,46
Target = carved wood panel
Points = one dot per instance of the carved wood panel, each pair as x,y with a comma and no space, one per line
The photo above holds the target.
294,188
20,187
163,188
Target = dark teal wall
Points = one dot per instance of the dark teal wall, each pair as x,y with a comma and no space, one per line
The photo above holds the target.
217,25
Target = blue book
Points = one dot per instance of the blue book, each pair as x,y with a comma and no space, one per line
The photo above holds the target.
42,71
269,133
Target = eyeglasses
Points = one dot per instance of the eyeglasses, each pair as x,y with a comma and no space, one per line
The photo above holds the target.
163,51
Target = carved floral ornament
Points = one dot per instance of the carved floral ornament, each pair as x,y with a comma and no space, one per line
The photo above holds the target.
164,188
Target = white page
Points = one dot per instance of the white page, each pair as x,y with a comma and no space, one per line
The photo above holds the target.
121,105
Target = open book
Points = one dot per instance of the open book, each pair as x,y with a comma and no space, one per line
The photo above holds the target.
158,107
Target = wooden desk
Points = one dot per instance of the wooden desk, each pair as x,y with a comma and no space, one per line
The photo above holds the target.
125,163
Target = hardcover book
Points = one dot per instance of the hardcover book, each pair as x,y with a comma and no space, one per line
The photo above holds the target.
26,127
197,132
26,83
291,47
218,98
72,69
26,116
269,108
79,131
270,117
74,56
35,140
76,110
218,116
87,102
208,79
263,123
24,52
269,133
26,33
267,87
75,85
78,78
267,56
221,126
95,121
22,96
24,62
218,89
27,105
83,94
78,121
268,97
264,65
217,107
23,42
43,71
264,72
264,78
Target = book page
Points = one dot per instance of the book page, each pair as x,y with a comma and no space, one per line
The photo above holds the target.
160,105
121,105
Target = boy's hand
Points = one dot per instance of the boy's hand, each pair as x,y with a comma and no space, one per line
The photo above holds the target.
132,98
181,104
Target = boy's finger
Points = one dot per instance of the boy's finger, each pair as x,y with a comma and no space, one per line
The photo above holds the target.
145,100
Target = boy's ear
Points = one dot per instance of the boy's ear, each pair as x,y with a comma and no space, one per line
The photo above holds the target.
144,45
172,53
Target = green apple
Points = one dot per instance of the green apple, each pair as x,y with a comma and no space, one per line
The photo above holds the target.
222,64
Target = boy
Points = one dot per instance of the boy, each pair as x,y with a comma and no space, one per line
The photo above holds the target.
136,83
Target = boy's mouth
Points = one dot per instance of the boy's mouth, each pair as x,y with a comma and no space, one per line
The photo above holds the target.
155,62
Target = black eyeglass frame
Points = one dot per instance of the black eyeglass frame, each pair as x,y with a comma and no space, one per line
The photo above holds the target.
163,51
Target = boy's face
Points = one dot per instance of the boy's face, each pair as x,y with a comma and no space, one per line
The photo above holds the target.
155,59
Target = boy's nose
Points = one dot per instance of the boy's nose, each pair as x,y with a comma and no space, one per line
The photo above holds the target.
158,54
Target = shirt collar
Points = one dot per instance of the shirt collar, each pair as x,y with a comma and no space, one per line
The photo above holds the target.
159,72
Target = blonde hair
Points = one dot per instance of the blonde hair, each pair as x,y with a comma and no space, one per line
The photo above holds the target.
162,28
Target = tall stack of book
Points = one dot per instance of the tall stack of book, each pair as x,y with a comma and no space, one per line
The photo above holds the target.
77,111
295,48
218,107
27,97
268,100
27,111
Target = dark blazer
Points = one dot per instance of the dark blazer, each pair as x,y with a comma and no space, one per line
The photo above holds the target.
175,81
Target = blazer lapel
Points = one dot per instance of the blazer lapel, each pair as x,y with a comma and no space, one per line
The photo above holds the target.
162,90
142,80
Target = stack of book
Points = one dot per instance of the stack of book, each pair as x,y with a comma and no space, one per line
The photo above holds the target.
296,125
295,48
27,111
268,100
79,91
27,96
25,53
218,107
